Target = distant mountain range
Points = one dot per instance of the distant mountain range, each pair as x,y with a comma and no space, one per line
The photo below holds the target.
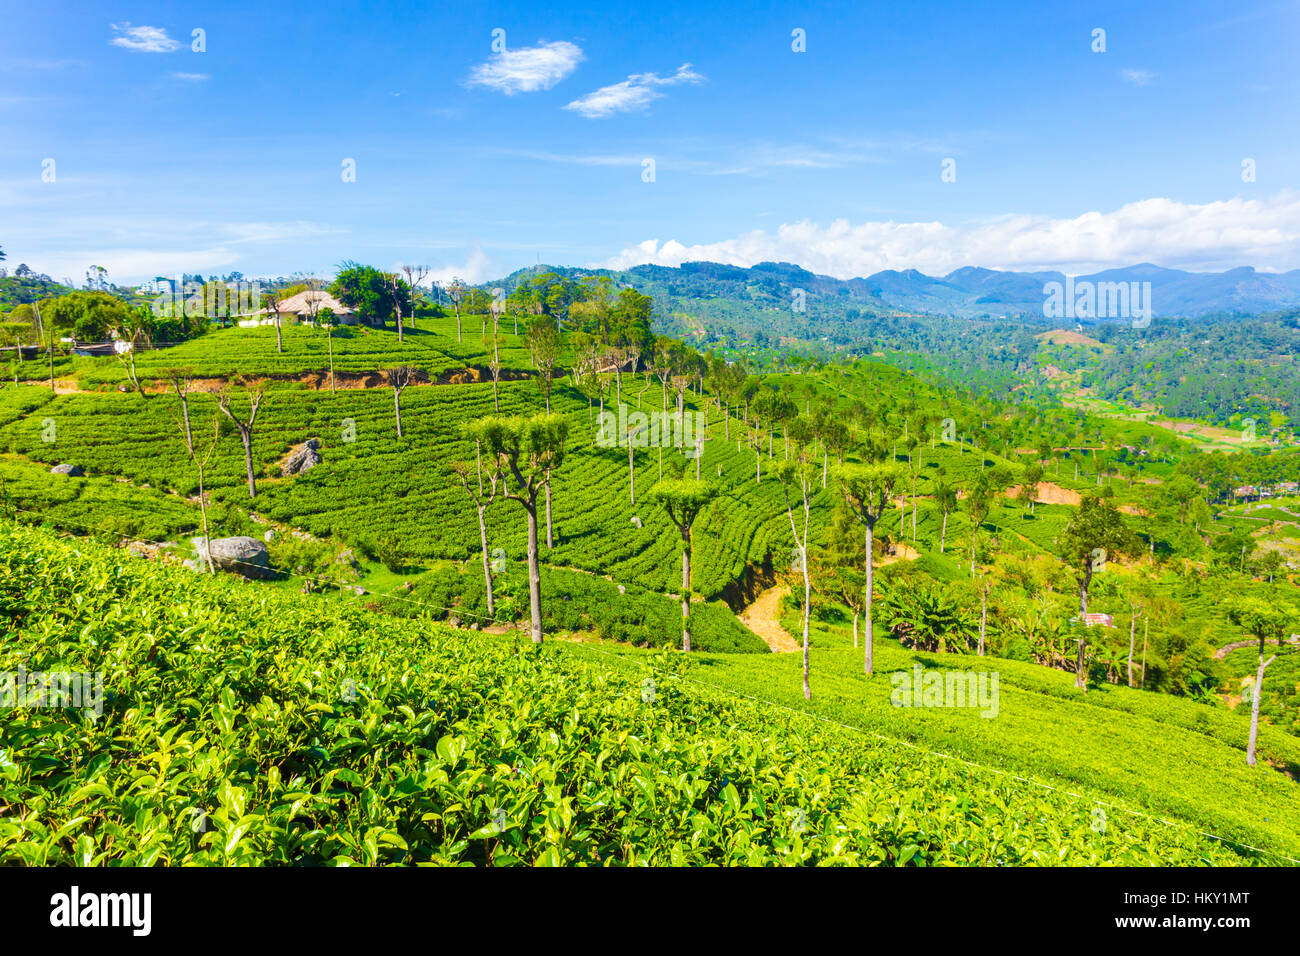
973,291
968,292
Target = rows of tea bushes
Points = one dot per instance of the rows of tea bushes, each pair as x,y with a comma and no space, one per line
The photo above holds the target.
21,402
30,493
1281,700
245,727
373,484
1166,756
577,602
357,349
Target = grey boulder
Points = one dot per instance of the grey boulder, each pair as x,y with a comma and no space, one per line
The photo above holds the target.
72,471
302,458
241,555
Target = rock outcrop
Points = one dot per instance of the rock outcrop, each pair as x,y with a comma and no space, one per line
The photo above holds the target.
240,555
301,458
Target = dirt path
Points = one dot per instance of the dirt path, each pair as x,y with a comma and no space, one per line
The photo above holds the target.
62,386
1049,493
1227,649
763,618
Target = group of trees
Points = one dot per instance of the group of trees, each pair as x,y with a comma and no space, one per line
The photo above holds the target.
377,296
859,443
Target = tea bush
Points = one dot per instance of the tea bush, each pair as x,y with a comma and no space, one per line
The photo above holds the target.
246,726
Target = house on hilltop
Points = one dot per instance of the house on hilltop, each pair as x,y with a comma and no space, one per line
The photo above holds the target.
302,307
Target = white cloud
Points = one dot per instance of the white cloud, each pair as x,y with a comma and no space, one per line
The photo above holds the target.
634,93
527,69
1264,233
161,246
1138,77
478,267
576,159
144,39
191,77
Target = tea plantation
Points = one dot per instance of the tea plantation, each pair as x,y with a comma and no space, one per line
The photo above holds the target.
243,726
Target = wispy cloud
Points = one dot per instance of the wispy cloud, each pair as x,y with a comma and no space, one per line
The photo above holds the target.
144,39
1138,77
634,93
191,77
23,64
1216,235
527,69
158,245
708,158
575,159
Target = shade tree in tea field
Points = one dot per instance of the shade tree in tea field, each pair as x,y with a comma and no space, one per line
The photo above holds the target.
683,499
868,490
522,451
1095,535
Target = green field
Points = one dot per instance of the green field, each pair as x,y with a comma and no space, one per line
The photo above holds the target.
283,731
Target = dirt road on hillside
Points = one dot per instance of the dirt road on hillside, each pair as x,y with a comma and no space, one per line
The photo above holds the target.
763,618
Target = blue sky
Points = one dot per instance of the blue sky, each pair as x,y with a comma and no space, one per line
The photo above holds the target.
478,162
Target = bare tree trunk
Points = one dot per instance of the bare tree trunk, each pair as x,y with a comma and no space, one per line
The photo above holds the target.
397,409
203,512
867,631
185,416
550,540
807,599
631,470
534,577
487,565
802,545
686,592
943,535
246,436
1254,706
984,615
1146,632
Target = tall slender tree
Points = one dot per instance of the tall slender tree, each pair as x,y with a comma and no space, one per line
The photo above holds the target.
1270,621
1095,535
868,490
399,378
225,399
463,471
684,499
521,451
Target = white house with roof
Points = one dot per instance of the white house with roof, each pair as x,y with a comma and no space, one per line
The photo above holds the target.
306,306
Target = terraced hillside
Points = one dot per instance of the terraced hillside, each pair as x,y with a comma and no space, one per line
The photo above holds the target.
241,726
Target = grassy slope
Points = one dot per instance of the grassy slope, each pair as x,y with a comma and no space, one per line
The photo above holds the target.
1150,753
231,707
